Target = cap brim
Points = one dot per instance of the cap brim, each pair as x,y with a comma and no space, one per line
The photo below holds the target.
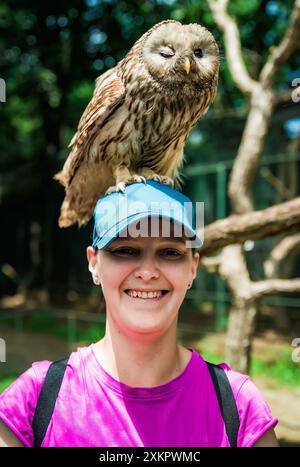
194,241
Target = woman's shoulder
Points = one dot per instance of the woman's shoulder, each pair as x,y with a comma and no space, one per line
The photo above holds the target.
254,411
73,359
243,387
245,390
236,379
18,401
29,379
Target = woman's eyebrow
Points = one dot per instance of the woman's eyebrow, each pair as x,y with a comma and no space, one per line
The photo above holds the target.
165,239
174,239
161,239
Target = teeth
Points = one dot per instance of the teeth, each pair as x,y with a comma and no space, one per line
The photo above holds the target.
134,293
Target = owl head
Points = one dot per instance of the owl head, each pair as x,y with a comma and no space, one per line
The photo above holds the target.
182,57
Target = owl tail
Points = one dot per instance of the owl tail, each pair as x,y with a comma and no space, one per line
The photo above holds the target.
60,178
68,216
89,183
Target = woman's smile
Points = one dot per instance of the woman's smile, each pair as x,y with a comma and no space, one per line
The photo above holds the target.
155,296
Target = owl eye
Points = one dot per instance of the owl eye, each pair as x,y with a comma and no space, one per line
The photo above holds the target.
166,52
198,53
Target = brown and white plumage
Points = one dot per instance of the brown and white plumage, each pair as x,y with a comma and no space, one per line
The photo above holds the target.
140,115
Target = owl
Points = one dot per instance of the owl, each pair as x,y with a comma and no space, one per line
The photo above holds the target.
141,113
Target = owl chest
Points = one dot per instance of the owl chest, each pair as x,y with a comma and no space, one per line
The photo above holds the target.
145,129
155,125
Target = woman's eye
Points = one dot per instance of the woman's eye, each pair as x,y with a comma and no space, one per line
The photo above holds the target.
170,252
131,252
198,53
124,252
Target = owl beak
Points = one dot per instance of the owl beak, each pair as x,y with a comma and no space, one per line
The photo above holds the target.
186,66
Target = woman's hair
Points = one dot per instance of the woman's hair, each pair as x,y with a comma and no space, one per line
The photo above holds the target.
194,251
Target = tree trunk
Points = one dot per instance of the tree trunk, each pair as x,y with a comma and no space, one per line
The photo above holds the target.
232,266
240,331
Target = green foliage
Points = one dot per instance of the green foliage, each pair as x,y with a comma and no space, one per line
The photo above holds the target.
43,322
282,371
77,97
48,85
5,382
49,325
241,8
19,111
211,356
92,334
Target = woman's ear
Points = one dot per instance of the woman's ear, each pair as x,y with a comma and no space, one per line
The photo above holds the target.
91,254
195,264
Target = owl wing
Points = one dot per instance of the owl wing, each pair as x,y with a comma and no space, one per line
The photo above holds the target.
107,97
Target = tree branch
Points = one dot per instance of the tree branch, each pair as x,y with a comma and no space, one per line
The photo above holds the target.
278,184
281,251
275,286
233,47
286,97
284,50
211,263
281,218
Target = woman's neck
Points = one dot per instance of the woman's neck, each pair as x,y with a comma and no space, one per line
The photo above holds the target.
142,364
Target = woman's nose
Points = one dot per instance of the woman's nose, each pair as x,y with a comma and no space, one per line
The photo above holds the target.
147,269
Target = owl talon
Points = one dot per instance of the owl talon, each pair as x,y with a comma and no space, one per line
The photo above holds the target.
164,180
116,188
120,187
136,178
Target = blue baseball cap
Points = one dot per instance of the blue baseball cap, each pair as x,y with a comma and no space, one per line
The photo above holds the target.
117,214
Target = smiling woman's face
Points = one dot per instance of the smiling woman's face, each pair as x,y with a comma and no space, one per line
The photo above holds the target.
130,266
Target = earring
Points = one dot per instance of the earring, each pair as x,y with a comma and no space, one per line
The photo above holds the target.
190,285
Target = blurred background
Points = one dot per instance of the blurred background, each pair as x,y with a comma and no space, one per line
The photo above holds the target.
51,52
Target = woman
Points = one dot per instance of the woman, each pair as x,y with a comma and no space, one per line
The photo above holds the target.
138,386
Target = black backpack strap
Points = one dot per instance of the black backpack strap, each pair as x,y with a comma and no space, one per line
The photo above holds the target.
47,398
227,402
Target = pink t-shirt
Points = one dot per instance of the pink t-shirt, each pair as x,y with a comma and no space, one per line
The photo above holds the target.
94,409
